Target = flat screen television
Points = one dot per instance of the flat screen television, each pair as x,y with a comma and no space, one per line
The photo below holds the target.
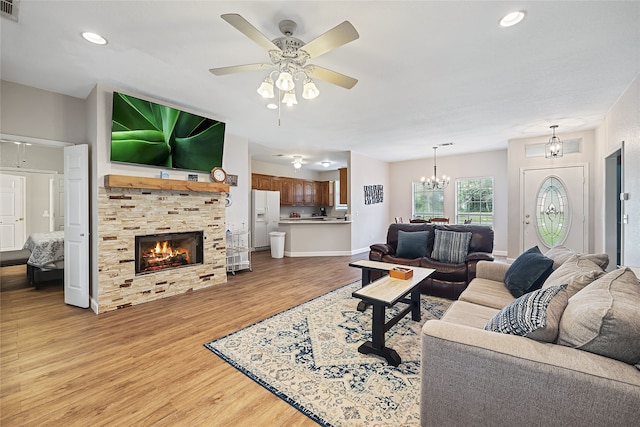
150,134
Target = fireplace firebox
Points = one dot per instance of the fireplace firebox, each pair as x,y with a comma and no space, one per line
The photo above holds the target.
155,252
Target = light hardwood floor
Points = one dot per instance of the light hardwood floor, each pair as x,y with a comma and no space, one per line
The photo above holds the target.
146,365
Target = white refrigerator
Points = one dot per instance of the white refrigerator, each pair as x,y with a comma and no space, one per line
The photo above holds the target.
265,215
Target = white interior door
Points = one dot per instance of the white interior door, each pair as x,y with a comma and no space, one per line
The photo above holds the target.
76,225
557,216
12,210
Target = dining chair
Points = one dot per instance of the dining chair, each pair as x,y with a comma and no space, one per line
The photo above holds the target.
439,220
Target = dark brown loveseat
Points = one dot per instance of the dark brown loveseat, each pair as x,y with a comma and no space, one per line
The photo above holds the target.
449,279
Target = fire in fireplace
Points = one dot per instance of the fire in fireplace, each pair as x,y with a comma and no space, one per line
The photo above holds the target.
155,252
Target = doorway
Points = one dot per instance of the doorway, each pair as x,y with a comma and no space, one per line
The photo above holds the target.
613,206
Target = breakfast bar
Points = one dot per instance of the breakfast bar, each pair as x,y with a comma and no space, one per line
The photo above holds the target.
320,236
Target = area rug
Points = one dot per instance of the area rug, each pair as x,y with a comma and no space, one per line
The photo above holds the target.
308,356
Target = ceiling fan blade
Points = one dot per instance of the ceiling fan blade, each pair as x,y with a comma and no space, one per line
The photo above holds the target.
330,76
335,37
249,30
239,69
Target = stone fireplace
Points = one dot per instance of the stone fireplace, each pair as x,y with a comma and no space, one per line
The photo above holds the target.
162,210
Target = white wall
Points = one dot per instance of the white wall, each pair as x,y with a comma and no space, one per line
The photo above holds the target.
37,113
370,222
477,165
38,157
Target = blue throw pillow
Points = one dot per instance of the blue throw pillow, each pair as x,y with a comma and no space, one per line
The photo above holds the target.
412,244
528,272
451,246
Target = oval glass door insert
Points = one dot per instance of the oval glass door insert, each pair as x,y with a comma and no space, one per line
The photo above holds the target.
552,212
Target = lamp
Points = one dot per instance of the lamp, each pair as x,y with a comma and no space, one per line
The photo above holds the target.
297,162
553,148
309,89
325,164
435,183
266,88
289,98
285,81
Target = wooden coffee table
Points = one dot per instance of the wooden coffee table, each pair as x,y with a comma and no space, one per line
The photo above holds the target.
386,292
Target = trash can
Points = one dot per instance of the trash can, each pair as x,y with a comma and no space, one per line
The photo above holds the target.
277,244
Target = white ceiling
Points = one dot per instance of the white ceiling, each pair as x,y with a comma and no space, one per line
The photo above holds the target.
429,72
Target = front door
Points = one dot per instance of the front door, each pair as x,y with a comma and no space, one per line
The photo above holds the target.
555,208
12,210
76,225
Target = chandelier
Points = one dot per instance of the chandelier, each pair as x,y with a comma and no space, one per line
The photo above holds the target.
553,148
435,183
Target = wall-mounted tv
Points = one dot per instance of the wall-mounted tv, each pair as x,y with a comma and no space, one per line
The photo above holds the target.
146,133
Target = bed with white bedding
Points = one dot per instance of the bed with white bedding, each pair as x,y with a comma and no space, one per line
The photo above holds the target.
46,262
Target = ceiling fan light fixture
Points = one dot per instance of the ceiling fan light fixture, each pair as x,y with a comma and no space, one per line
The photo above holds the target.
289,98
285,81
309,89
297,162
266,88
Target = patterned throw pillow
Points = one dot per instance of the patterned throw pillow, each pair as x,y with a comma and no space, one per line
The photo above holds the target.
533,315
451,246
412,244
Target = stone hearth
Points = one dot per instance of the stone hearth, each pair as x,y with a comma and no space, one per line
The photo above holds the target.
124,213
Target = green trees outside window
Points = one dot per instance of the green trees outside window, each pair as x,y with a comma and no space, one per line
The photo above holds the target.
474,200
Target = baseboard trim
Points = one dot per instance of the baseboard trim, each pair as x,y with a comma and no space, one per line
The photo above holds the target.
94,305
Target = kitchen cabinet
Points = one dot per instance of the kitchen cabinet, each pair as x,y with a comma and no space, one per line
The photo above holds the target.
298,192
309,193
295,192
324,193
286,191
260,182
343,186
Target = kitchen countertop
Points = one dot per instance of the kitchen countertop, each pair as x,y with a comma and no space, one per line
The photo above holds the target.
313,220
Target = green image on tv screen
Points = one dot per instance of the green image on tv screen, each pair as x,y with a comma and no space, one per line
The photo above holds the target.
146,133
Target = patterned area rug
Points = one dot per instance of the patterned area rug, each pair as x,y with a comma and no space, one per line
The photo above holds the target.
308,356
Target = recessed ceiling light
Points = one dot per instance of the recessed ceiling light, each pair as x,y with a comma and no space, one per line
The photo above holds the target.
272,106
512,18
94,38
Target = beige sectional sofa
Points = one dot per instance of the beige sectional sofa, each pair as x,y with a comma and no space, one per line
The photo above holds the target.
472,376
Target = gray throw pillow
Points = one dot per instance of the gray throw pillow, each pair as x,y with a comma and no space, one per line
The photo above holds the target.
603,317
528,272
577,272
451,246
412,244
535,315
560,254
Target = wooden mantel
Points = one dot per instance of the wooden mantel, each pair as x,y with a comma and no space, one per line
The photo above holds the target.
122,181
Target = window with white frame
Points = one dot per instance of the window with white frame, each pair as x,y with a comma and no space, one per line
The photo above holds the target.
474,201
426,203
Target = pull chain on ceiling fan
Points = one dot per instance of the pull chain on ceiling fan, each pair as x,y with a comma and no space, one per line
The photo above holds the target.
289,56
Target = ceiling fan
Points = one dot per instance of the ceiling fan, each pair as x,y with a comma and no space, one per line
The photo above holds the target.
289,56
